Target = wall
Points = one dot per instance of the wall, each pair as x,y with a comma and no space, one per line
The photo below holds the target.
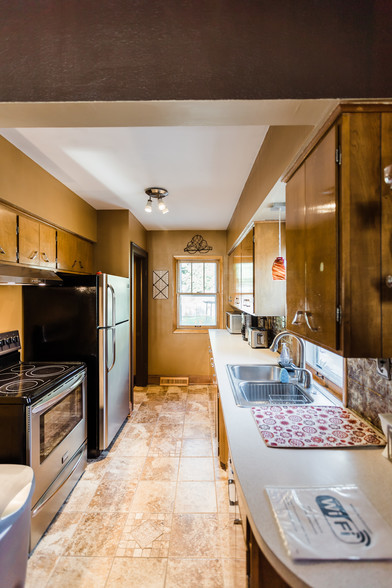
279,147
26,185
368,393
11,317
176,354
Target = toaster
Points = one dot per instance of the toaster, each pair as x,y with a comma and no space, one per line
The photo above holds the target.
257,337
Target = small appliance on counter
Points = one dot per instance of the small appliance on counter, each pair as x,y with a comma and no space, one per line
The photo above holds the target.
246,322
43,424
233,322
257,337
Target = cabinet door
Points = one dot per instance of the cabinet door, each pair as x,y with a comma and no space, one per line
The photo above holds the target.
270,294
386,237
66,251
231,279
28,241
223,444
47,246
321,242
84,256
247,294
7,235
295,253
237,276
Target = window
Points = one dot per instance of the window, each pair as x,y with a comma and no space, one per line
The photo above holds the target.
198,294
327,367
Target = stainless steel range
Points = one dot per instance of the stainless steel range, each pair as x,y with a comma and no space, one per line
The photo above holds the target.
43,424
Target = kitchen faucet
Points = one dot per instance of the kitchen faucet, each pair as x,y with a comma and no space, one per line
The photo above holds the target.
304,374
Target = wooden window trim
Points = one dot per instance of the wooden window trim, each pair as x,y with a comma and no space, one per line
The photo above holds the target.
219,311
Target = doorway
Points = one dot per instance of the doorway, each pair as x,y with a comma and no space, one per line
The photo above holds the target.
139,317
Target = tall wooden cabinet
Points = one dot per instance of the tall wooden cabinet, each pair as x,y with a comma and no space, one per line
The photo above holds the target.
337,224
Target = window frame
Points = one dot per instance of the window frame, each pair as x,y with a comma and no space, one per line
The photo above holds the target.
321,377
219,295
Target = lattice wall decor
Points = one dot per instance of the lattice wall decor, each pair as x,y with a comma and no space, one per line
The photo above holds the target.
160,284
197,245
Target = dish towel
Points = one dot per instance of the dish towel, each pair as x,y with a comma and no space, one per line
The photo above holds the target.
313,427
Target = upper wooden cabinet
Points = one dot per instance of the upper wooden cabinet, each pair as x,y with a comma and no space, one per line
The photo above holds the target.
339,244
250,267
37,243
8,235
74,254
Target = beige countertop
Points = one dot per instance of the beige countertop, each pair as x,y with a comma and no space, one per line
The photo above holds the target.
258,466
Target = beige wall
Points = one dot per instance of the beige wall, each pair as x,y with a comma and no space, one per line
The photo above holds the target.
11,317
26,185
279,147
175,354
137,233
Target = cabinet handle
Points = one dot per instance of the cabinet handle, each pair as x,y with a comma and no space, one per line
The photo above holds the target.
2,250
81,265
388,280
298,318
74,263
45,257
231,489
309,321
33,255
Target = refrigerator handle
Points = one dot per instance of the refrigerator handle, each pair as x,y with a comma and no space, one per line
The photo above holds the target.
113,330
109,287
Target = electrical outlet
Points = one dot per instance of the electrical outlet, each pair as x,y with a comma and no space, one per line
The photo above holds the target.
384,367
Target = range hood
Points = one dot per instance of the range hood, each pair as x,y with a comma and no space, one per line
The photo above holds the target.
26,276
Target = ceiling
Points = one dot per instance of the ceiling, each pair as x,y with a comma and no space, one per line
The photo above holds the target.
201,152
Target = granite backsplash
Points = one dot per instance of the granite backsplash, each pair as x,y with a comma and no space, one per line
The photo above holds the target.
368,393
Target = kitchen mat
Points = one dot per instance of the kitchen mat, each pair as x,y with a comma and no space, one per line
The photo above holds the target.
313,426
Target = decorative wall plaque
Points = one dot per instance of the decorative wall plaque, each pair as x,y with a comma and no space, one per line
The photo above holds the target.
160,284
197,245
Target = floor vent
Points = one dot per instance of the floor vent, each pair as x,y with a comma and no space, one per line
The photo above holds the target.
167,381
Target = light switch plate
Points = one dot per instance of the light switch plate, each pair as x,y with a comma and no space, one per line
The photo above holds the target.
384,367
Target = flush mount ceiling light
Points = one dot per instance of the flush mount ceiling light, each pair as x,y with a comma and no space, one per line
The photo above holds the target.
159,194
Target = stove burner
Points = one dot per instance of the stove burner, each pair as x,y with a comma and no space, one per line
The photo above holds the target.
7,376
17,386
45,370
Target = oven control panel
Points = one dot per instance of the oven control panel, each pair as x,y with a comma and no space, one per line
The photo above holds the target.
9,341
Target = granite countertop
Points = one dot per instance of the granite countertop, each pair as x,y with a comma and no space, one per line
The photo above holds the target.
257,466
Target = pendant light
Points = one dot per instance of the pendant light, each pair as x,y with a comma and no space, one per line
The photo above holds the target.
279,265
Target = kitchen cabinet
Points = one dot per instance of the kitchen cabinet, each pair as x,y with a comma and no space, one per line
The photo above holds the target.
339,248
8,236
258,569
250,272
74,254
220,430
37,243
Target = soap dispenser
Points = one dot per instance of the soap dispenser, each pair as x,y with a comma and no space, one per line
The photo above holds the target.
284,359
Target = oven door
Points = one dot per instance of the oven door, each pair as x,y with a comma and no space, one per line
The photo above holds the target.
57,427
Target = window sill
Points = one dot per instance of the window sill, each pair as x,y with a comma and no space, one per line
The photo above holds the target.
203,330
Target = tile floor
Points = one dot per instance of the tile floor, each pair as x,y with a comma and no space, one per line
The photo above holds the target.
154,513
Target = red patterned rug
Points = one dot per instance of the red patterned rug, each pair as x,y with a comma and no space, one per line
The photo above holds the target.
313,426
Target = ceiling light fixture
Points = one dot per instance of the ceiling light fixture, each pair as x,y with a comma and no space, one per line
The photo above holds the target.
159,194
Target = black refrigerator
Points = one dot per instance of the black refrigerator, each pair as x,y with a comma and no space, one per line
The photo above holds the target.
85,318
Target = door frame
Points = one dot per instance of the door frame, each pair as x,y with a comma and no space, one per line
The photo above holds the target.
139,317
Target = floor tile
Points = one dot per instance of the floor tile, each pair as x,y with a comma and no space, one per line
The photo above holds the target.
140,573
234,573
194,573
231,537
196,469
161,468
171,418
194,535
113,496
59,533
39,569
120,466
81,495
197,429
196,448
156,497
165,446
133,447
145,535
97,535
195,497
82,572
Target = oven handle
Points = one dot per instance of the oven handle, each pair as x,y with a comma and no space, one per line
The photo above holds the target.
59,393
42,504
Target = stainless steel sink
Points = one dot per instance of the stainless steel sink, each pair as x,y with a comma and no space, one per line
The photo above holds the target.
259,373
254,385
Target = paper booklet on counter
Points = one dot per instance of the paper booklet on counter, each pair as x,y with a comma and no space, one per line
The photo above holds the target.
335,523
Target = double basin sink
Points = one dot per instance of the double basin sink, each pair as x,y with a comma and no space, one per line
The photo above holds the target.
254,385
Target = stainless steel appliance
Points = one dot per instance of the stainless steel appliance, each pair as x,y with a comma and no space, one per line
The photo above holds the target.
257,337
43,424
233,322
86,318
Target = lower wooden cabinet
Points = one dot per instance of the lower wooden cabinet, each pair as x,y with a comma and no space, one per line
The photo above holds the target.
223,445
259,571
8,238
74,254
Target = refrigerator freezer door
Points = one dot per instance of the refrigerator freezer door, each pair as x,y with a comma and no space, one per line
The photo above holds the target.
113,381
113,300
